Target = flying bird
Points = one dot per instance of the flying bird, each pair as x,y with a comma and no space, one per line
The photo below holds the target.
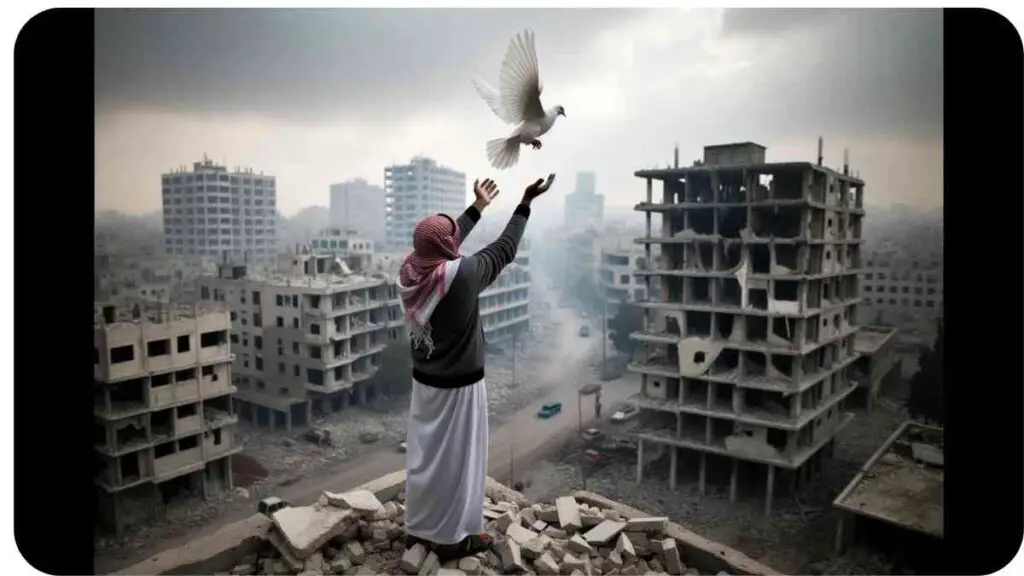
518,102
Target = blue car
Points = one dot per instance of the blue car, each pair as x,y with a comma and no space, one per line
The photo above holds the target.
549,410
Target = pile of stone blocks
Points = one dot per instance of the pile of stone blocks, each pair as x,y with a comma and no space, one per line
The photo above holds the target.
354,533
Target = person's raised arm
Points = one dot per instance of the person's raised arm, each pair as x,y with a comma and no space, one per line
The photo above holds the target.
485,193
486,264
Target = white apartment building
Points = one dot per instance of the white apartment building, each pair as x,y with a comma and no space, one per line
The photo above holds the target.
355,250
163,418
416,190
307,337
359,206
584,207
903,289
209,211
616,274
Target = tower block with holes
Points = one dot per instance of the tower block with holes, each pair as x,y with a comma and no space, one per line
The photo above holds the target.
748,347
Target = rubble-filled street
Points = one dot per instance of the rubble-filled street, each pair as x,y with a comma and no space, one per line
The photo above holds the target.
354,533
365,441
796,539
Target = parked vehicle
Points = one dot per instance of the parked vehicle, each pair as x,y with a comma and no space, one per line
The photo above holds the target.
625,412
270,504
591,434
549,410
584,331
402,447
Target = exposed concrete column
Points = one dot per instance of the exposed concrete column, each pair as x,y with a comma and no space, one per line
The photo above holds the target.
795,405
361,392
679,424
734,480
769,491
673,463
309,412
228,476
639,460
738,397
703,472
288,419
271,418
707,430
206,489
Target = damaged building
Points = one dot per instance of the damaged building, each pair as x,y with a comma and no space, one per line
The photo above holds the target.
749,345
163,419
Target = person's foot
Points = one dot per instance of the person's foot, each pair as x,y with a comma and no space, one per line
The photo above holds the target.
536,144
469,545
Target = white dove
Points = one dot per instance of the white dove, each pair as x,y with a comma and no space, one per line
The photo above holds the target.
518,102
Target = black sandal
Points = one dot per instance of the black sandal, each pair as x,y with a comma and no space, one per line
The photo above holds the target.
469,545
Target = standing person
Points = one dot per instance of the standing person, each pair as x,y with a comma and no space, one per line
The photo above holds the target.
446,455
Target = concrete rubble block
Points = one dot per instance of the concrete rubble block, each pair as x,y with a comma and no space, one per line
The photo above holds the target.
431,565
451,572
590,519
493,559
308,528
341,563
511,556
556,533
558,549
413,559
507,519
288,557
538,526
571,563
655,565
670,555
363,502
519,534
568,514
316,563
604,533
642,566
548,514
614,559
546,565
389,511
536,546
579,545
243,570
650,524
470,565
529,517
355,552
624,547
491,514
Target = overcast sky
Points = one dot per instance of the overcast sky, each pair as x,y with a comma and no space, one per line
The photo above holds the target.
322,96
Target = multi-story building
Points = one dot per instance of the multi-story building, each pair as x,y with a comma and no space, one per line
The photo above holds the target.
750,342
307,337
355,250
359,206
416,190
208,211
584,207
162,406
620,259
902,289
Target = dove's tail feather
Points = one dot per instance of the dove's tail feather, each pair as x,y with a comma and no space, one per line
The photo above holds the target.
503,152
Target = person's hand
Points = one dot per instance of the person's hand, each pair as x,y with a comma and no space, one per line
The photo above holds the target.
485,193
537,188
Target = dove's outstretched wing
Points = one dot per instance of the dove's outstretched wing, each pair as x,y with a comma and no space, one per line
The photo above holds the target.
520,81
493,99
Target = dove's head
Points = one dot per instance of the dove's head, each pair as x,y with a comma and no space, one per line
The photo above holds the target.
560,110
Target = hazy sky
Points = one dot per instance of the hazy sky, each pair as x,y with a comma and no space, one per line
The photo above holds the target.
322,96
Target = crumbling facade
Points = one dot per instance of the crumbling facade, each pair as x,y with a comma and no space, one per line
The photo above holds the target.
749,344
162,406
306,338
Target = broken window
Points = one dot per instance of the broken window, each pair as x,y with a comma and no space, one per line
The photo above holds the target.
776,221
158,380
783,363
187,410
698,323
727,362
314,352
188,443
130,470
212,339
757,328
217,435
315,376
120,354
784,328
787,259
699,290
313,328
755,364
185,375
158,348
731,256
760,259
162,450
729,293
787,290
701,221
789,185
706,255
758,298
731,221
776,438
725,324
698,188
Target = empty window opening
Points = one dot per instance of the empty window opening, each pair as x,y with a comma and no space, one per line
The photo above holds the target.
826,290
757,328
162,450
787,290
784,328
814,294
766,186
696,393
158,348
787,256
816,225
731,256
187,410
158,380
776,222
702,221
698,323
217,437
776,439
188,443
730,294
131,433
130,470
725,324
789,186
706,255
723,397
720,429
185,375
698,188
160,423
728,360
783,364
731,221
120,354
758,298
814,262
760,259
700,290
672,326
755,363
212,339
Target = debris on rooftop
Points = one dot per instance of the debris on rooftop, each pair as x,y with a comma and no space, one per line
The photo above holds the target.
354,533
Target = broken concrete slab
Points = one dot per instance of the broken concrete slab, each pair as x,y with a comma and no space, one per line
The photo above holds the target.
511,556
624,547
546,565
579,545
356,553
670,553
363,502
307,528
648,524
431,565
603,533
519,534
413,559
568,514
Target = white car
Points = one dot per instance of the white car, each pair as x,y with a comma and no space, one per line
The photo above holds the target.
625,412
402,447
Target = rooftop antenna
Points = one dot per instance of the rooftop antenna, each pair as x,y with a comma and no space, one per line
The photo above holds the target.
676,156
821,148
846,161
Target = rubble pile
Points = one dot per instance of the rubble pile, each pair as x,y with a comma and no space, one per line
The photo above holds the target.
354,533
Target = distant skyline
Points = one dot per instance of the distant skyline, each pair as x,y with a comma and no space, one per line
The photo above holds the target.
278,91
